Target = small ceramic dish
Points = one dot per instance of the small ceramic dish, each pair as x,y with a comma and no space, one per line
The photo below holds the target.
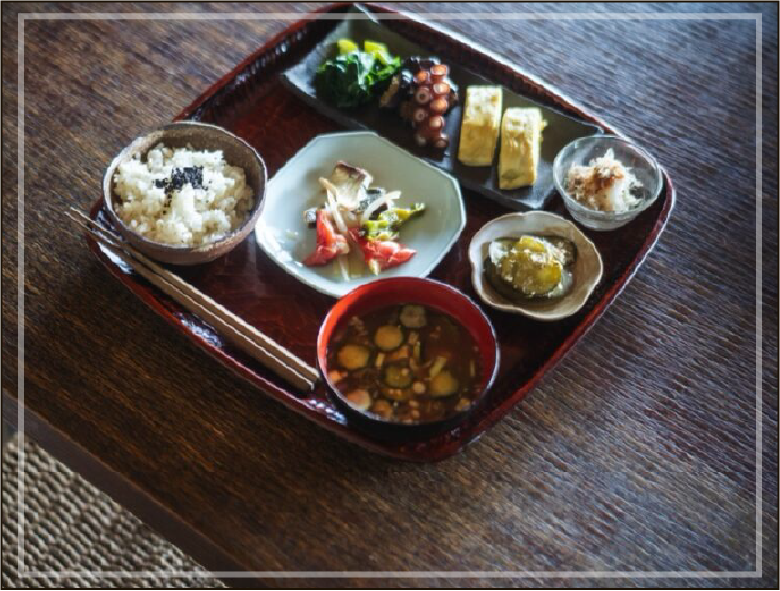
199,136
412,290
284,235
642,165
586,272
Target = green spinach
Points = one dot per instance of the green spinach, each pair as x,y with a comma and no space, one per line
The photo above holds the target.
353,79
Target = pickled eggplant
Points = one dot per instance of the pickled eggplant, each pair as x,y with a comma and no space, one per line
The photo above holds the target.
531,267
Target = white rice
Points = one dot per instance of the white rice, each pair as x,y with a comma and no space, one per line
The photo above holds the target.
188,216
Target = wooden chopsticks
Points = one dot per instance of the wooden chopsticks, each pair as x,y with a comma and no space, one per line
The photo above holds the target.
261,347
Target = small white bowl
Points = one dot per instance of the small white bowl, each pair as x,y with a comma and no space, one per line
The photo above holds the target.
581,151
587,270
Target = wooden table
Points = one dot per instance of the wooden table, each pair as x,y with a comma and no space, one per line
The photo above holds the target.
636,454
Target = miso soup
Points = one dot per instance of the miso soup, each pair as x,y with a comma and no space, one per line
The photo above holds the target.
405,363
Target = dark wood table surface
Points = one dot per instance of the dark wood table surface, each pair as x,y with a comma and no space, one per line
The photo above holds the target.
637,453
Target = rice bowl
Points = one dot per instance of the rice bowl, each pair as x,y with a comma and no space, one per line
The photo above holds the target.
181,196
193,136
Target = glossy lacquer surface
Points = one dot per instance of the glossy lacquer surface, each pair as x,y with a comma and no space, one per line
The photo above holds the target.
253,103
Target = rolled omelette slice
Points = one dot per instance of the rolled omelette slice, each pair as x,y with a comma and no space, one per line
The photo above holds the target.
521,137
479,128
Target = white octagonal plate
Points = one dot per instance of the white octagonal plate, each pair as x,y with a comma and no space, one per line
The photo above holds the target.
283,234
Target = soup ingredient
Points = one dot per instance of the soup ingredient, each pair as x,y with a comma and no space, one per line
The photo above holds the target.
479,128
444,384
415,363
400,354
355,77
530,267
423,93
397,394
438,365
354,213
398,376
353,356
182,196
521,139
413,316
605,184
382,408
360,399
389,337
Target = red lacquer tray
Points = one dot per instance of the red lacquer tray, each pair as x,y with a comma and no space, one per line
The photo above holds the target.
252,102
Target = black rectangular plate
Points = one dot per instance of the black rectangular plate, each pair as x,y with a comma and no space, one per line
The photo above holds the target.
561,129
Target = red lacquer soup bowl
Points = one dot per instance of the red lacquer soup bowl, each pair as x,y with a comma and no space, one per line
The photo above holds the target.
434,295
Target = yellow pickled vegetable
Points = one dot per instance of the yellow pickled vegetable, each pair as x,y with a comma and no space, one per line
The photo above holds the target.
531,267
346,46
375,48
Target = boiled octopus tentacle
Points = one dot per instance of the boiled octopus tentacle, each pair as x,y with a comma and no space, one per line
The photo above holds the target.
423,93
432,99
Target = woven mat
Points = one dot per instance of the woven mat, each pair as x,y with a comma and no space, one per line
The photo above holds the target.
69,525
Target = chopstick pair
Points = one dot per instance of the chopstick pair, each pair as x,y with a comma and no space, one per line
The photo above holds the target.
250,340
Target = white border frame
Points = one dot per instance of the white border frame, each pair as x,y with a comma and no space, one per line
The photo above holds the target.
757,572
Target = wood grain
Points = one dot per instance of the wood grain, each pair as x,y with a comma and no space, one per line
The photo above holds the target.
637,453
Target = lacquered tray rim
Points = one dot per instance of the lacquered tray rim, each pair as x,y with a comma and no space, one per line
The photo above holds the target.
290,400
